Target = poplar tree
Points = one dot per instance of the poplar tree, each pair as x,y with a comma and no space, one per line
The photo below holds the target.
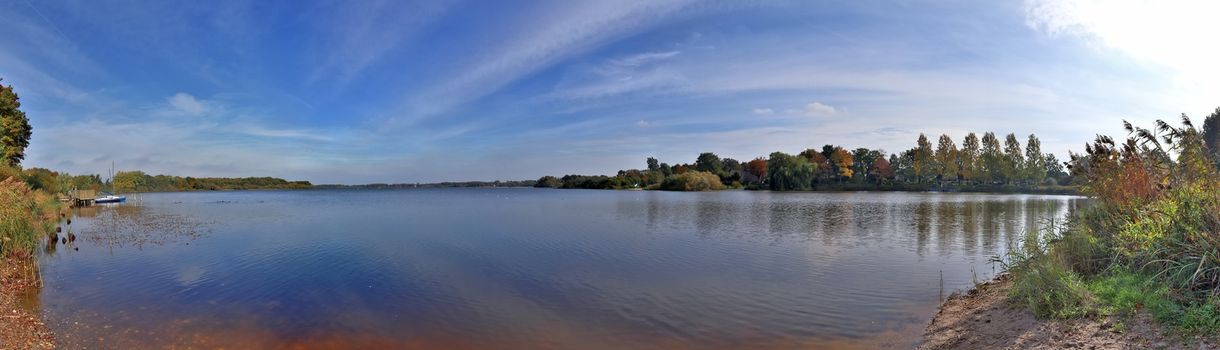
1014,160
1035,163
969,158
946,158
992,158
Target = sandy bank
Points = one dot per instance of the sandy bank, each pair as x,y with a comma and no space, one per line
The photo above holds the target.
984,318
19,328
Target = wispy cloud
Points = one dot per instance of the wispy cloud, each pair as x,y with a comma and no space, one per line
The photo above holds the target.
364,34
187,104
816,109
551,34
763,111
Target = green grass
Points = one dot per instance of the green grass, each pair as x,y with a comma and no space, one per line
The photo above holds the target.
1050,290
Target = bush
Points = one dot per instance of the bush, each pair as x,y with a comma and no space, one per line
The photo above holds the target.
25,216
692,181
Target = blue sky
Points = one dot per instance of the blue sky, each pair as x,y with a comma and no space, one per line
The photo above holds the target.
420,91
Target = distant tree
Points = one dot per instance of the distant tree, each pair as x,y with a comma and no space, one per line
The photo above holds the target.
548,182
896,165
1035,166
1014,159
652,164
863,162
709,162
1211,134
1055,169
789,173
15,128
881,171
42,179
821,164
946,158
968,158
665,169
731,172
842,162
758,168
130,181
828,150
923,165
992,158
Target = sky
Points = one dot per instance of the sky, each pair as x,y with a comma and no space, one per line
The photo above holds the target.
407,91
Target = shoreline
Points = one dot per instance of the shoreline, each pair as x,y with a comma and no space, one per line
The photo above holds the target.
983,317
20,328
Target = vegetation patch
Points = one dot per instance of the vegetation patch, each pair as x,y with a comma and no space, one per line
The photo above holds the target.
1149,243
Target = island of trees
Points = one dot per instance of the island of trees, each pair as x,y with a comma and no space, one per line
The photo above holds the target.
984,163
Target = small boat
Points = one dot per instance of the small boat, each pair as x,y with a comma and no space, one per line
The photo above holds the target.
109,198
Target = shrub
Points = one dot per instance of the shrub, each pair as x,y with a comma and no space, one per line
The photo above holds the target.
692,181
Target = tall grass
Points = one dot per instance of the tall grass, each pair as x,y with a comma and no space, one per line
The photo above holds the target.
1151,241
26,216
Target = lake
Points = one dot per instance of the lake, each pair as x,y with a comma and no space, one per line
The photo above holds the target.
524,268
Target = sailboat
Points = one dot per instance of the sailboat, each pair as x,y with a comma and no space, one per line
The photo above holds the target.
107,197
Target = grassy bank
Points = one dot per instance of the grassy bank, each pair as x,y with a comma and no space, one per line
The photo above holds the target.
1150,243
27,217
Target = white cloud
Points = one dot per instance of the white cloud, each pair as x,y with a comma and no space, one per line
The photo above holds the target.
364,34
644,58
1170,34
642,123
187,104
764,111
817,109
551,35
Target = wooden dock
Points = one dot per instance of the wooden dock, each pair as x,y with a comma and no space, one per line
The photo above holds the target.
81,198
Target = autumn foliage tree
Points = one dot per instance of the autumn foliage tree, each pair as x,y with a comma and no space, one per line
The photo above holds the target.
842,161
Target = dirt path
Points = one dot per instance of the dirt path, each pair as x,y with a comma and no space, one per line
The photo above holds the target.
983,318
19,328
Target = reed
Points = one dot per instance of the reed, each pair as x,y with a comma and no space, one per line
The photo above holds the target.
1151,240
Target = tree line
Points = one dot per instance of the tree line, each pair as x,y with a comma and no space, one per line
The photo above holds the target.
985,163
138,181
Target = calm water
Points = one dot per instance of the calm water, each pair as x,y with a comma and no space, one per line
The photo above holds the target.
524,268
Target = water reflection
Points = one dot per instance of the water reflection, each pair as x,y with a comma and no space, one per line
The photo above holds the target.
523,268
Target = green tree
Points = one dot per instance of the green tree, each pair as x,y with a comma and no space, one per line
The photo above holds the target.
15,128
992,158
864,159
1055,170
1035,166
652,164
789,173
1211,134
923,164
946,158
1014,160
968,158
709,162
548,182
130,181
